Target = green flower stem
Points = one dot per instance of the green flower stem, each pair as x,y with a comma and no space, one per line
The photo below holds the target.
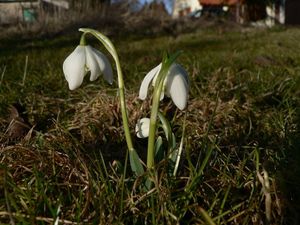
82,40
110,47
153,121
123,106
158,88
152,131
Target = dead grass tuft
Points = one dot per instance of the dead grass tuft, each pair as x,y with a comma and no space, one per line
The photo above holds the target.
24,161
100,118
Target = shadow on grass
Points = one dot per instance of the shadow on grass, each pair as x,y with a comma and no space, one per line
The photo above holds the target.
289,177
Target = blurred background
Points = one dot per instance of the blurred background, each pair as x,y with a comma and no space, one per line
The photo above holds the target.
45,17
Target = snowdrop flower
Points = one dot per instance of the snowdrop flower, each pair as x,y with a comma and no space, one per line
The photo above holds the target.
142,128
83,59
176,84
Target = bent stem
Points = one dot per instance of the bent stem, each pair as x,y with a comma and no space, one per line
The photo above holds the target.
135,163
110,47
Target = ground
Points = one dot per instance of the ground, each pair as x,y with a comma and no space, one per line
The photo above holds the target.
62,149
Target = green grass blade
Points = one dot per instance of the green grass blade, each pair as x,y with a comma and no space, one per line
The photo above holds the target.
206,217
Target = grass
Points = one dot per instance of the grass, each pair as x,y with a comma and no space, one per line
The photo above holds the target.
66,159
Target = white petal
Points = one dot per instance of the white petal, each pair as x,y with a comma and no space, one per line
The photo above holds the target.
146,81
158,70
177,86
162,94
73,67
142,128
91,63
104,65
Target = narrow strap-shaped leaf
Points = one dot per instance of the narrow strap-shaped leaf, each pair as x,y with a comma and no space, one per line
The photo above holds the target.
167,129
180,148
158,149
135,163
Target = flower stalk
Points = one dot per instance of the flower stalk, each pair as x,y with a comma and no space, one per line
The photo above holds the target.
110,47
153,124
134,160
158,88
82,40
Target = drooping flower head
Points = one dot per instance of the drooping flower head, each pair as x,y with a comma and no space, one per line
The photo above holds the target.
176,84
82,60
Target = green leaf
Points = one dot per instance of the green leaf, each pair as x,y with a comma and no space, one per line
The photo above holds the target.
173,141
159,154
174,152
173,57
178,157
135,163
148,184
167,129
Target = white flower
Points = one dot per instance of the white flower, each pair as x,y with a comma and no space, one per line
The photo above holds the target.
142,128
176,84
84,59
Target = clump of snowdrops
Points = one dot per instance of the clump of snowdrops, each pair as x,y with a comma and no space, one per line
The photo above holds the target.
168,78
